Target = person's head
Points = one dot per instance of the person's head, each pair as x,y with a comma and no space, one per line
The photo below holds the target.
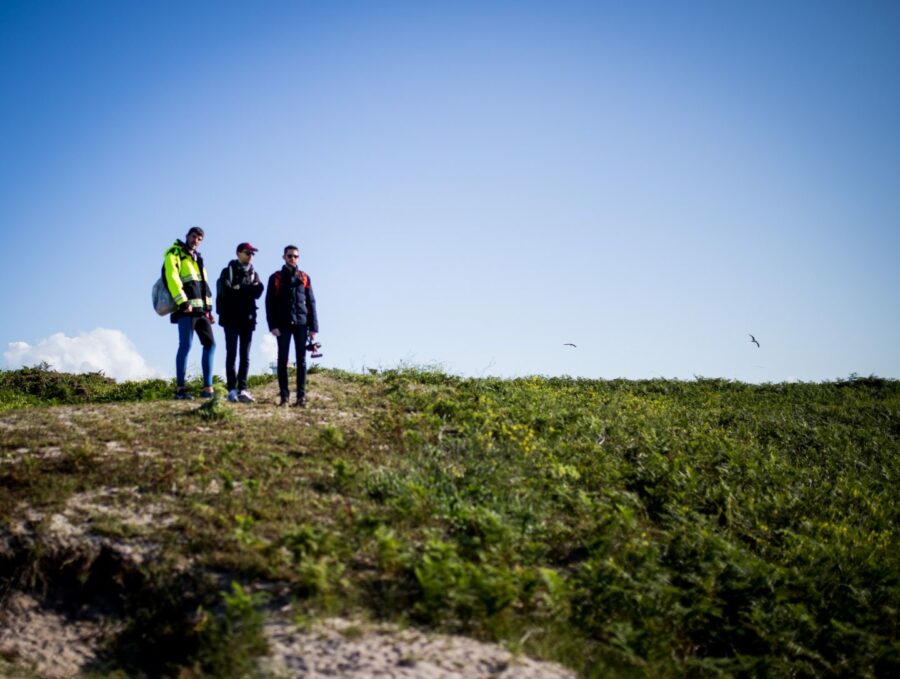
245,253
291,255
193,238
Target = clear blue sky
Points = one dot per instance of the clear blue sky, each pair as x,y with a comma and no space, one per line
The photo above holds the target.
471,184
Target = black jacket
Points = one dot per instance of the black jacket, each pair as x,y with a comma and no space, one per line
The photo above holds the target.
290,300
236,293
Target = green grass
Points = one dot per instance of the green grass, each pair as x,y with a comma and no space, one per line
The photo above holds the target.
623,528
41,385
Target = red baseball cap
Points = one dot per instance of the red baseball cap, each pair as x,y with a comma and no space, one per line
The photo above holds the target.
246,246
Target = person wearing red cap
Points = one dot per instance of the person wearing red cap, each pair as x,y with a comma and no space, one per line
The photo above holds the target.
237,290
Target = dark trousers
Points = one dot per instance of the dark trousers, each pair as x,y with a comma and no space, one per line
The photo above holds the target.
298,333
233,338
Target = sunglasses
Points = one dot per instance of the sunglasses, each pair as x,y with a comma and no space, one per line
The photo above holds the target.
248,252
292,256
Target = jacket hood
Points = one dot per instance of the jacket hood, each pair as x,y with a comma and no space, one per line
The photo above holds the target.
179,247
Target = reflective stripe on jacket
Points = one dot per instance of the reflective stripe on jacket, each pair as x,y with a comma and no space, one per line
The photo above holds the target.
187,279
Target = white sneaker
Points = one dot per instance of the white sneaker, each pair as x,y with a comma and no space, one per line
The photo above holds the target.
246,397
233,396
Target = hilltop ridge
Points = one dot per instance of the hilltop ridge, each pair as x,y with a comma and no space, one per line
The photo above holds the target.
611,526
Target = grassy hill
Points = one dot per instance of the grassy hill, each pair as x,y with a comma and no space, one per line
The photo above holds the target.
622,528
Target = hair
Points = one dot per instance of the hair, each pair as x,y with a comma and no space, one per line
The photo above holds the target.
197,230
290,247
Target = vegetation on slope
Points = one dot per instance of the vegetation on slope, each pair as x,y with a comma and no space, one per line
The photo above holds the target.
650,528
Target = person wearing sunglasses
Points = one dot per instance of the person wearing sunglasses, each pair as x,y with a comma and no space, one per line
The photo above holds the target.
237,290
291,314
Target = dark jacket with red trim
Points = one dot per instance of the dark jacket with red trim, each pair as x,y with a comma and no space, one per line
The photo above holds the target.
290,300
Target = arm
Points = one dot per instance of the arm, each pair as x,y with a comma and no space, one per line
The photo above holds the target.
312,318
206,291
172,274
256,287
271,305
223,285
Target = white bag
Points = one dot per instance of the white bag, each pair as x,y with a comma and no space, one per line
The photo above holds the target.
163,302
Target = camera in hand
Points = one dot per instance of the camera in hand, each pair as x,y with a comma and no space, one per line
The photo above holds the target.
314,348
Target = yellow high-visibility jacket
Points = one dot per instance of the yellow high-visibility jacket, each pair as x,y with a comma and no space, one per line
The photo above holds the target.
187,280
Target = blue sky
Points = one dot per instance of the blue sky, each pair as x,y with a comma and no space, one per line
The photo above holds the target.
471,184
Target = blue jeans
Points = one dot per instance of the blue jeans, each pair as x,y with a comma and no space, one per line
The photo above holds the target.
299,334
186,327
234,337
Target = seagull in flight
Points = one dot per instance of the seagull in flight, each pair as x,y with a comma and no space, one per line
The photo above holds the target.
753,339
569,344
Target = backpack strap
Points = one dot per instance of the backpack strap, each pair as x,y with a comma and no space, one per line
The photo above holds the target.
277,283
280,275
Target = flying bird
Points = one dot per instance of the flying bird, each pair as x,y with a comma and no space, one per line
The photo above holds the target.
753,339
569,344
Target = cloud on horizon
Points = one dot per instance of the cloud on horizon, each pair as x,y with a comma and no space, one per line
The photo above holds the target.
102,349
268,347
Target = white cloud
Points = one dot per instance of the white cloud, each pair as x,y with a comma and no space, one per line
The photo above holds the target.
109,351
268,347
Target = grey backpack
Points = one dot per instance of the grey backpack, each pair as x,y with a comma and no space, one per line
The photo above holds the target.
163,302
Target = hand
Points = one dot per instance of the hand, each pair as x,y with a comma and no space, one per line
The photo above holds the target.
312,337
212,319
276,332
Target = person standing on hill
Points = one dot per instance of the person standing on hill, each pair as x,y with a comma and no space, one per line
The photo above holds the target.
237,290
186,279
291,314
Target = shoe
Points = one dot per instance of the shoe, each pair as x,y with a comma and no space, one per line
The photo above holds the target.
207,394
182,395
233,396
283,401
245,397
300,402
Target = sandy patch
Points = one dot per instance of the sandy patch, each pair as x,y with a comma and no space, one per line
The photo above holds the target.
340,648
49,643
